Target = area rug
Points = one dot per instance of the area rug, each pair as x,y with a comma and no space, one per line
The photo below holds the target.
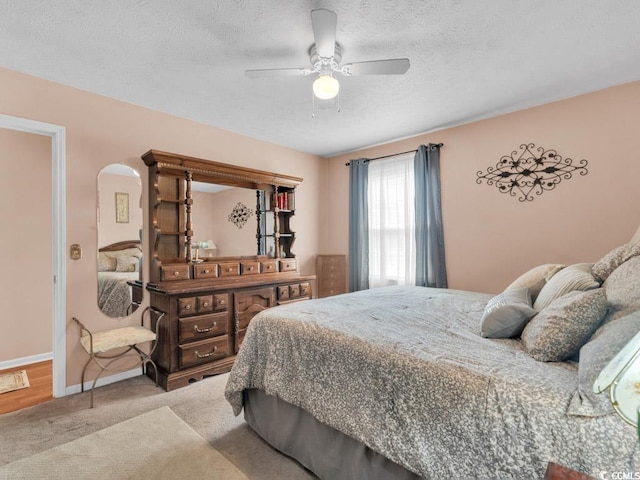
13,381
154,445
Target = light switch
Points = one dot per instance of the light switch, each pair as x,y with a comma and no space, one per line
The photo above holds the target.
75,252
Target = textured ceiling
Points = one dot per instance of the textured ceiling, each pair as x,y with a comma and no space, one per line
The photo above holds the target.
469,59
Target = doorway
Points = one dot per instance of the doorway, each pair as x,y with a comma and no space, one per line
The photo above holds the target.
58,238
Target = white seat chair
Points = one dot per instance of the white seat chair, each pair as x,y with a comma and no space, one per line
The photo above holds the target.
108,346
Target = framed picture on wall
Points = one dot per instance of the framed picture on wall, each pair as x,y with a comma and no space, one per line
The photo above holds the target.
122,207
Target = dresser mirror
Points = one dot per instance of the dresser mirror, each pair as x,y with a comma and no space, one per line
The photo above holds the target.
202,210
119,219
224,221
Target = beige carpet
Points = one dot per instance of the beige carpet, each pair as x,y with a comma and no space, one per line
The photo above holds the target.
201,405
10,382
157,445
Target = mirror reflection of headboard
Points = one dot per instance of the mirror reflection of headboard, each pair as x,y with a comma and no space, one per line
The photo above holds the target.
119,265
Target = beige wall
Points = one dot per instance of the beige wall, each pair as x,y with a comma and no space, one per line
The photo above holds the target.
102,131
26,292
490,238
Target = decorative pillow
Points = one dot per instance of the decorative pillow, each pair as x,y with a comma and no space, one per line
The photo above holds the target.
574,277
536,278
506,314
106,263
623,289
129,264
561,328
612,260
594,356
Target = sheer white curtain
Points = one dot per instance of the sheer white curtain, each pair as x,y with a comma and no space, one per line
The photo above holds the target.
391,201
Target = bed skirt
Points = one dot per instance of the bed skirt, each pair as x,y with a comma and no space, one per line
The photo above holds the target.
321,449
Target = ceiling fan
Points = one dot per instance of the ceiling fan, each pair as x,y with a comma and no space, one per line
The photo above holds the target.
325,56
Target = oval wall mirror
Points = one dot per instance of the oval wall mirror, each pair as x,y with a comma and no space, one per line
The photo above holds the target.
119,240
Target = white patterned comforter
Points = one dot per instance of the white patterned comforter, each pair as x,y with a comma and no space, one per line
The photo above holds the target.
405,371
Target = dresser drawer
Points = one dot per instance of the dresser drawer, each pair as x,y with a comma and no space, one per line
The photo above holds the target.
294,291
174,272
229,269
205,270
333,260
203,351
187,306
204,303
305,289
288,265
250,268
202,326
221,301
268,266
283,292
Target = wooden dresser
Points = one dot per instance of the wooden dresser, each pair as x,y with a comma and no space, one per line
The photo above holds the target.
331,271
205,320
202,307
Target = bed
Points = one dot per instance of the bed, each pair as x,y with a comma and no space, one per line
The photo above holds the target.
118,264
398,382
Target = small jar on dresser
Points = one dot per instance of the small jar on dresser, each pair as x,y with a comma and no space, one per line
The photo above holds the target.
331,274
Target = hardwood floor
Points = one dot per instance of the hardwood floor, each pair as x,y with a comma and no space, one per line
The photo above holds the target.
40,387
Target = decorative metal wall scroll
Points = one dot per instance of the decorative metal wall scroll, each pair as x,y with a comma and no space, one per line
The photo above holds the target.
240,214
523,172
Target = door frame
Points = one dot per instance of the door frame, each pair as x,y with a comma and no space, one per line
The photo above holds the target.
59,222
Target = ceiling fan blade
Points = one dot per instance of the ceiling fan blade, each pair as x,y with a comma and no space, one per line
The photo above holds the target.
277,72
324,31
396,66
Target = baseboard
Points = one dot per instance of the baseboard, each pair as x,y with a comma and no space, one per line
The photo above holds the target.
18,362
118,377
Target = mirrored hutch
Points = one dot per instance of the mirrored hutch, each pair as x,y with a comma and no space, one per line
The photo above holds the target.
208,300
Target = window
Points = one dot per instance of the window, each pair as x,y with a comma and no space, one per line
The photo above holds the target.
391,221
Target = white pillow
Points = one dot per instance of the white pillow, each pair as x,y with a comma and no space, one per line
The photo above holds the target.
506,314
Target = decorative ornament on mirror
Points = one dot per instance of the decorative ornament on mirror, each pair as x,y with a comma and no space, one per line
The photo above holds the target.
240,214
523,172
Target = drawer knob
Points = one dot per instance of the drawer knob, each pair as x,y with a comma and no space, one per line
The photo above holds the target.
176,273
205,304
206,355
205,330
187,307
230,269
249,268
206,270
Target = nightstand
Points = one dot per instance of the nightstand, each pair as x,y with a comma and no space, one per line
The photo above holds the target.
558,472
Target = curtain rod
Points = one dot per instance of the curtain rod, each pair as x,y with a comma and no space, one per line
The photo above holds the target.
394,154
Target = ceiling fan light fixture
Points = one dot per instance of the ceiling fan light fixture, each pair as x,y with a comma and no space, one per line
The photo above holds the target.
326,87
